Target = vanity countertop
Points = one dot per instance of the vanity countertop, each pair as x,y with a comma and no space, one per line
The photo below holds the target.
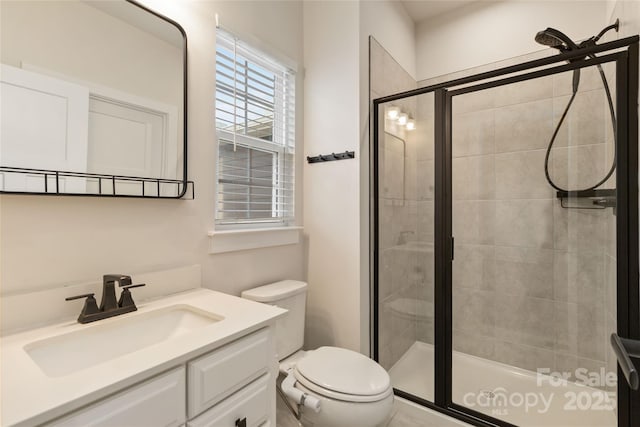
29,396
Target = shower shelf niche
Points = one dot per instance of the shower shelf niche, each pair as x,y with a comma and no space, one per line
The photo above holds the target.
588,199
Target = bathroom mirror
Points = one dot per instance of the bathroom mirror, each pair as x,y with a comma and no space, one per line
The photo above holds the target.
93,99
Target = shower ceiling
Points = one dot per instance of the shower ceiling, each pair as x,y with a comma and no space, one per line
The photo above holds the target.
420,10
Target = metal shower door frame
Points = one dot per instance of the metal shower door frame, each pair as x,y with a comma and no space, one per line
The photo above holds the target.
628,295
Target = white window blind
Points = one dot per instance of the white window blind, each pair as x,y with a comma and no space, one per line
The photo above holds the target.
255,116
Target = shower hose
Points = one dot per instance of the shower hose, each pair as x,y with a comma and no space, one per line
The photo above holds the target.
562,118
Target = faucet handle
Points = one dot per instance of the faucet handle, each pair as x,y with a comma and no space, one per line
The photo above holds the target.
79,296
126,300
90,306
133,286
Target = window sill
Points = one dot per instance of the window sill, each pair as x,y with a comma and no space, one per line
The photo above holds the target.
240,240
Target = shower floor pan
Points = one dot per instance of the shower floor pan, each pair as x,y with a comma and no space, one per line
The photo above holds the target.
505,392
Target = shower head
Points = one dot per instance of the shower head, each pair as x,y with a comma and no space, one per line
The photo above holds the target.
559,40
556,39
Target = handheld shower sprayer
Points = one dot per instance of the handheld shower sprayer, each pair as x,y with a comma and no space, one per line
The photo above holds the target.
555,39
558,40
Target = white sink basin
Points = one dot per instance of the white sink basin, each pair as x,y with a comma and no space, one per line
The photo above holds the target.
101,342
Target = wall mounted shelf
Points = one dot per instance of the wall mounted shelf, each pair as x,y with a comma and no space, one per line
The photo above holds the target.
52,182
588,199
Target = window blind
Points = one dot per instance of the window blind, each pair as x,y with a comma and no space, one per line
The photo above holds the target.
255,118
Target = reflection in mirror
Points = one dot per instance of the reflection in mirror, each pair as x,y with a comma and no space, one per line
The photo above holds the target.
92,90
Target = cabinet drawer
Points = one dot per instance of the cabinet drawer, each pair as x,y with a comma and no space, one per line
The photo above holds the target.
156,402
220,373
252,403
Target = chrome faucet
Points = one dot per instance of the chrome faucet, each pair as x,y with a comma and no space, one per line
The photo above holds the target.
109,306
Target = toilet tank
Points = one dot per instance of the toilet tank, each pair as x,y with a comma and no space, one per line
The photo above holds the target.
292,296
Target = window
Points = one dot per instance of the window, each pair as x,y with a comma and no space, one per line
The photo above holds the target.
255,116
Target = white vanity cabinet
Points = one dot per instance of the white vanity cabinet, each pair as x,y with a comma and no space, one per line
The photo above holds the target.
248,407
156,402
233,385
220,373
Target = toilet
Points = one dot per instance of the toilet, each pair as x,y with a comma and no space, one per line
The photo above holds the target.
337,387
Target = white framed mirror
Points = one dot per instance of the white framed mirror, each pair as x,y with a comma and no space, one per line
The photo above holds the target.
93,99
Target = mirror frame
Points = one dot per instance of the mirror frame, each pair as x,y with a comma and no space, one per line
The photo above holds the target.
183,183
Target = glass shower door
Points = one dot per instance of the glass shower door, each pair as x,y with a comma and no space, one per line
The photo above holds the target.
404,259
505,251
534,274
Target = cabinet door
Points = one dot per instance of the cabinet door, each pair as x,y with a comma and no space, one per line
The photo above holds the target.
159,402
224,371
252,403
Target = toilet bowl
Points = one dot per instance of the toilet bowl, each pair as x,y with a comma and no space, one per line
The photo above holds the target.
334,387
352,389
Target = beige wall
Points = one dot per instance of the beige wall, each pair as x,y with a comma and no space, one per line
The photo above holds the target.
47,242
489,31
393,28
336,194
331,190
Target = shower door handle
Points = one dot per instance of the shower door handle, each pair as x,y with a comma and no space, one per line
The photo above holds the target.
453,248
625,349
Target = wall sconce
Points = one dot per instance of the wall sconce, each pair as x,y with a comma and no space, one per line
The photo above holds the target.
411,124
394,113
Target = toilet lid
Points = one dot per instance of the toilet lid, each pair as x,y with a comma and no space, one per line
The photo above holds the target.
344,371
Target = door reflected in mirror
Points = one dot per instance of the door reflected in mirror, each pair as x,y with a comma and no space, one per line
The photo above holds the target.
92,99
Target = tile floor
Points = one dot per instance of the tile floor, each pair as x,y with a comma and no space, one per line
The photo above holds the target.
405,414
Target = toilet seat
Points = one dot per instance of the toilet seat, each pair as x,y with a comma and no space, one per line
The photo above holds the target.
342,374
354,398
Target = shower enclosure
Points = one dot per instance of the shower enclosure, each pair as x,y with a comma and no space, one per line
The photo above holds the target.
495,294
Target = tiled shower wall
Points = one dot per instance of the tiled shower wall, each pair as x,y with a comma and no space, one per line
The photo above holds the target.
530,277
534,283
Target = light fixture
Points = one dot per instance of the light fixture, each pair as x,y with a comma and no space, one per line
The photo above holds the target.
411,124
393,112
